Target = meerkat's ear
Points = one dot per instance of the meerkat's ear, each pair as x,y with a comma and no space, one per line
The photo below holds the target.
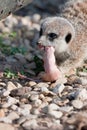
68,37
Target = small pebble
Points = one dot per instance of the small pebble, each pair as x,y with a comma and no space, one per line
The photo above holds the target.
35,111
36,18
23,111
20,91
81,94
5,120
78,104
13,116
2,113
73,79
41,84
11,86
37,103
6,93
20,58
44,90
53,106
31,124
10,102
21,120
14,107
18,85
31,83
82,74
59,101
66,109
50,107
2,84
5,126
55,114
41,96
28,106
58,89
84,80
34,97
47,99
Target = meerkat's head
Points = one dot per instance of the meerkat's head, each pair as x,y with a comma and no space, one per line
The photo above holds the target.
57,32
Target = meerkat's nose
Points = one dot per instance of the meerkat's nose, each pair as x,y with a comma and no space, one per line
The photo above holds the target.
39,42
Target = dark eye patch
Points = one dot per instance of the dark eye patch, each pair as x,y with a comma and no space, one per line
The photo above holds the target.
52,36
41,31
68,37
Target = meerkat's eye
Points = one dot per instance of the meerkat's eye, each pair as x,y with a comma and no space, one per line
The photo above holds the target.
68,37
52,36
40,34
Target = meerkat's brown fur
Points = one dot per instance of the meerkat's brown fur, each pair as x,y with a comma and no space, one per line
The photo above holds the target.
76,13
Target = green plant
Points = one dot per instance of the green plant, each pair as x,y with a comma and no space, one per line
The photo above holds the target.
39,65
14,50
81,69
8,49
9,74
13,35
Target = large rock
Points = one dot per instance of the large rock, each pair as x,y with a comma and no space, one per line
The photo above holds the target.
8,6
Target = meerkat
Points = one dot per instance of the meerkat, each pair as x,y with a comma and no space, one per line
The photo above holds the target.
63,39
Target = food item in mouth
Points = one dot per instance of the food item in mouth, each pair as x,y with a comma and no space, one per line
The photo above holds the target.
52,73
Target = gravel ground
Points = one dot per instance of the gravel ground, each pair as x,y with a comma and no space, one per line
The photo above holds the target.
26,102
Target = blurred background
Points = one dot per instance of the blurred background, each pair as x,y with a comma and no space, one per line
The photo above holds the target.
19,33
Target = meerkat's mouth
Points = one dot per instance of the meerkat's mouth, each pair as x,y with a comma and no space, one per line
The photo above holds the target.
42,47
